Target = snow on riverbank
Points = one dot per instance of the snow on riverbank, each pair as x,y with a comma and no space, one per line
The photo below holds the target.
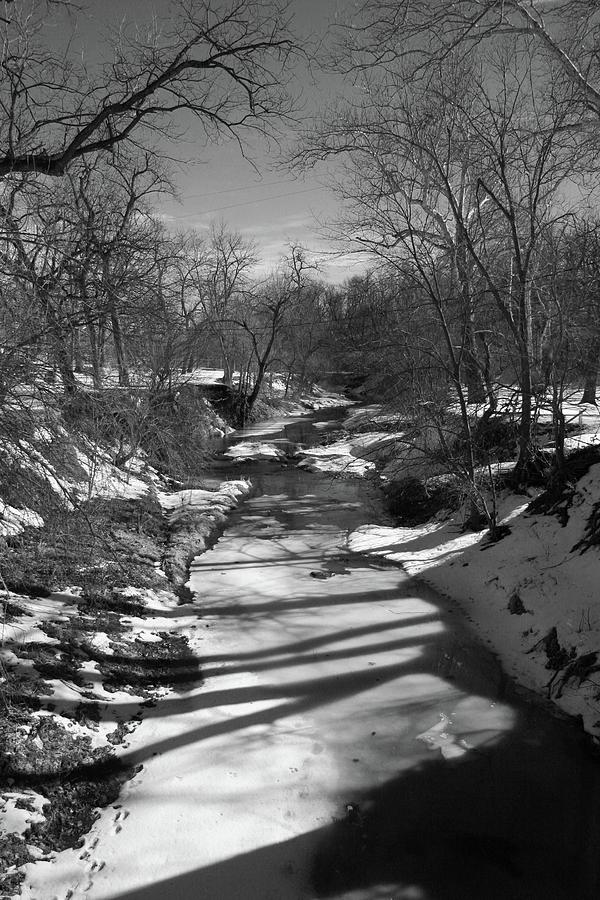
76,674
515,591
350,457
536,563
278,405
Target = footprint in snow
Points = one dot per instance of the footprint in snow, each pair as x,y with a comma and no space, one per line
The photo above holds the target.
118,819
96,865
88,848
92,869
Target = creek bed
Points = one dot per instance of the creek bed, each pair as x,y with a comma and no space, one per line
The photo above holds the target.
387,755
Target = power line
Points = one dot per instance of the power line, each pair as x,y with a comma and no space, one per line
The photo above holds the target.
247,203
243,187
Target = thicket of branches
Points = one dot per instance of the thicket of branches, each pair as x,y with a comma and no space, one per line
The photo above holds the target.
96,294
469,168
104,312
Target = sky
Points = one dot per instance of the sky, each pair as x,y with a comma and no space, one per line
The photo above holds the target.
262,201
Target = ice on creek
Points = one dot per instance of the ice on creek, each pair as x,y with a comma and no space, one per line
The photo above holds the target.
439,738
336,458
474,722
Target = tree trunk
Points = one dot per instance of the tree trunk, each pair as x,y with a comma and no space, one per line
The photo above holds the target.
471,370
476,392
95,356
102,345
525,457
64,364
525,347
487,376
227,368
117,334
558,425
115,323
262,363
61,340
77,355
590,372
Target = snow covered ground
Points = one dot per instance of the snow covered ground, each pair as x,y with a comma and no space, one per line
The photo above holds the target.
337,699
558,585
536,568
42,635
536,562
244,775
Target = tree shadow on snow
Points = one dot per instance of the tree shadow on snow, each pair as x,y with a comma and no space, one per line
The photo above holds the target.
515,818
510,822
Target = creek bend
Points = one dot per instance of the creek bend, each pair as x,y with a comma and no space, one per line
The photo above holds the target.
355,740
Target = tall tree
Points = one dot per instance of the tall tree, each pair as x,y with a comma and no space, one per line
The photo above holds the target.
458,176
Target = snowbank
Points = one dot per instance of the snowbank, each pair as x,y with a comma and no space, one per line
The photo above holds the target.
536,568
355,455
228,494
254,450
13,521
87,692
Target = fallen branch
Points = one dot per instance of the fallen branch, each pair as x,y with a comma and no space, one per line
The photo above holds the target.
581,668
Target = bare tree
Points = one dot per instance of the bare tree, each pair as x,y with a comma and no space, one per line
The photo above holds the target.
223,62
460,176
229,257
111,206
420,34
267,305
581,280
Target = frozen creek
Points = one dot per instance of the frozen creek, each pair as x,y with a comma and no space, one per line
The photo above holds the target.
351,739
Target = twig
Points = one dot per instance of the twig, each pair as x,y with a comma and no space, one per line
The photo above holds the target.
4,607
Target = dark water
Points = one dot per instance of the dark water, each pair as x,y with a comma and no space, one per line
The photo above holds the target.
295,431
517,818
